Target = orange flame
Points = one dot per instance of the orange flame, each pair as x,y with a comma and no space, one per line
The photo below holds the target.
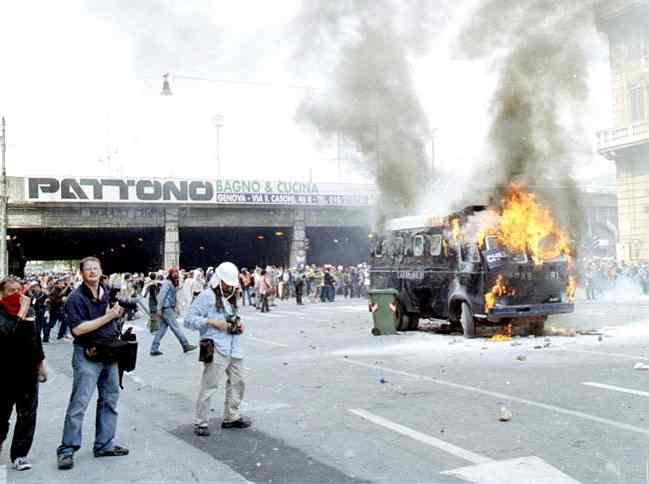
505,335
571,289
498,290
527,225
455,227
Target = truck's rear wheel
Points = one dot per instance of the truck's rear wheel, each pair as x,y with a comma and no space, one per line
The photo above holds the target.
467,321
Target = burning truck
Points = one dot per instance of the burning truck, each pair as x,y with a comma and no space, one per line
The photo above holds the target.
504,265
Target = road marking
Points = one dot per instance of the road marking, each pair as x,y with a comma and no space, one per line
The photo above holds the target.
266,341
424,438
260,407
285,313
601,353
3,474
262,316
486,470
353,308
513,471
616,389
503,396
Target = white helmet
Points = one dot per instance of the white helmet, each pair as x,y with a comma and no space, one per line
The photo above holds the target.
226,272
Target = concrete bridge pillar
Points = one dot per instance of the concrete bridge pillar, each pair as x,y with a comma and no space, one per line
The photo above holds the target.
298,250
172,239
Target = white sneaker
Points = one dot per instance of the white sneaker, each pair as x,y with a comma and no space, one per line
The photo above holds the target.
22,464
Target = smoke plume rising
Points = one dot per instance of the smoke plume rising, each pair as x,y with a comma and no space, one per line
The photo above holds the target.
372,102
538,48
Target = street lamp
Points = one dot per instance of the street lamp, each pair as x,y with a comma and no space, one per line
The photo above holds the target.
217,122
166,89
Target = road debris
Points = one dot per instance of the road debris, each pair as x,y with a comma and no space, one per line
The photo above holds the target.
383,380
505,414
521,358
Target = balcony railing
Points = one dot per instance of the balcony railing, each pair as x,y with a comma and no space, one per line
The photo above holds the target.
611,8
618,138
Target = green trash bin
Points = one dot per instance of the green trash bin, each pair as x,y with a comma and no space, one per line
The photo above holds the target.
385,317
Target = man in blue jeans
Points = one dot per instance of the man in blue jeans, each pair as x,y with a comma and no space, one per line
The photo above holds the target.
93,324
167,308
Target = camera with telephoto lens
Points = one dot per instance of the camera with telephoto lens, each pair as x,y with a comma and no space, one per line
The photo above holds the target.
234,324
128,303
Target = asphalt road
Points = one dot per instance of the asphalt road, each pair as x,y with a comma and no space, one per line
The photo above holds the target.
331,403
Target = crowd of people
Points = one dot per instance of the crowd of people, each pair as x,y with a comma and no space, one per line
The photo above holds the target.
601,276
260,287
90,308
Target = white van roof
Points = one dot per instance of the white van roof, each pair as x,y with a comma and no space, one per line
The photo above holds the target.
415,222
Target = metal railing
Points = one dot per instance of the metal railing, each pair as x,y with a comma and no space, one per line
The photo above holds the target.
612,8
619,137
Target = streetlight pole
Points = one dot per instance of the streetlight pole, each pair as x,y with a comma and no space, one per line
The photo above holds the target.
3,207
217,121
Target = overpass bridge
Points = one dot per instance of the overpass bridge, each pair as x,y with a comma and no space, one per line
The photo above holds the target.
137,224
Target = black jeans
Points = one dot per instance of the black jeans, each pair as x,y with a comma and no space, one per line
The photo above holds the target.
264,303
57,315
21,392
42,325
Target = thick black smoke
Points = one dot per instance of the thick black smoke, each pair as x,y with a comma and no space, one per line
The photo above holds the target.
539,50
370,99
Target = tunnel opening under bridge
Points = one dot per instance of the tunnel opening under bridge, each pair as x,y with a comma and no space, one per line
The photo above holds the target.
119,250
337,245
244,246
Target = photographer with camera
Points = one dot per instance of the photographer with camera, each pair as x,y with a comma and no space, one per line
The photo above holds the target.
95,327
214,314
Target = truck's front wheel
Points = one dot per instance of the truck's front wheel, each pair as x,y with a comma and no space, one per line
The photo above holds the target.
467,321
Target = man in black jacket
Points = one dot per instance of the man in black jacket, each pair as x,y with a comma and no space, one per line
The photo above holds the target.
94,326
22,366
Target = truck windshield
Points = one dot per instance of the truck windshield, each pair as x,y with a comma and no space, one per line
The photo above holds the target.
493,245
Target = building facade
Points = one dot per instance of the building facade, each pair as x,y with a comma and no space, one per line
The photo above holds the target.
626,23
